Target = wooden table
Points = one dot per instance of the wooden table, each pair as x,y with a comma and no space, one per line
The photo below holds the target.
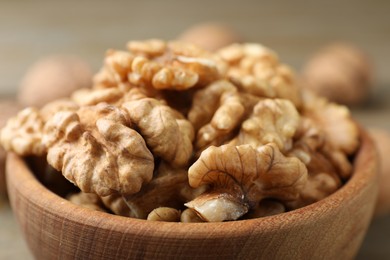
295,29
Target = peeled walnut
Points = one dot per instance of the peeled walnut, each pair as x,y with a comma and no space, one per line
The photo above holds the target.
162,65
381,139
169,188
210,36
240,177
96,149
341,132
341,72
165,130
53,77
190,216
88,97
164,214
216,111
272,121
256,70
23,133
87,200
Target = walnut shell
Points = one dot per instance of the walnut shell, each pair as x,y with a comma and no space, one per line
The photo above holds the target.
210,36
341,72
53,77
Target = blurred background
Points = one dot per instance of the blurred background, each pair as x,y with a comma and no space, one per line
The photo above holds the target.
30,30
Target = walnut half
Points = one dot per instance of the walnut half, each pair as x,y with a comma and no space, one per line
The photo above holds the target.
241,176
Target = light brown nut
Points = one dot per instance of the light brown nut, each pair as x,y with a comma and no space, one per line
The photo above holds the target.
117,205
335,120
272,121
23,133
164,214
166,132
150,48
255,69
97,150
210,36
89,97
164,190
53,77
266,208
216,111
64,104
87,200
241,176
162,65
168,188
340,72
190,216
308,138
170,65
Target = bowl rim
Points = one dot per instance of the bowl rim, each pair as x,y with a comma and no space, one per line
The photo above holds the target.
24,181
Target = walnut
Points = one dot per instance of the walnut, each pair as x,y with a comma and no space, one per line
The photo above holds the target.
340,72
164,214
166,132
23,133
53,77
170,65
150,48
272,121
97,150
169,188
240,177
210,36
64,104
87,200
190,216
88,97
216,111
117,205
341,131
256,69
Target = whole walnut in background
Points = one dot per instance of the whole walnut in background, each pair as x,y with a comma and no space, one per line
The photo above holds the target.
210,35
53,77
340,72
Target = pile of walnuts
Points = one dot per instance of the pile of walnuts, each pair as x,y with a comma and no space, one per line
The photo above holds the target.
172,132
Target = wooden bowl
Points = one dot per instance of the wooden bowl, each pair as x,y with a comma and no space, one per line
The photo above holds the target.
332,228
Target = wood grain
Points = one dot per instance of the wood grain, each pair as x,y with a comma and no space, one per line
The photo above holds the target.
332,228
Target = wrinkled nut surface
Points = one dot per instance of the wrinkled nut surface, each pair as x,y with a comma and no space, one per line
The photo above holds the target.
168,125
163,65
23,133
167,133
256,70
97,150
272,121
247,175
216,112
